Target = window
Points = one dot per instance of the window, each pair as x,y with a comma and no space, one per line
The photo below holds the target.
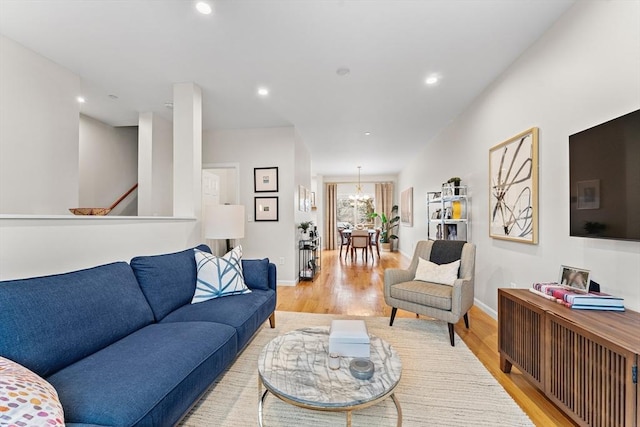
354,211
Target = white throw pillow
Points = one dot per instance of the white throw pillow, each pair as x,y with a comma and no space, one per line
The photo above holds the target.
445,274
219,276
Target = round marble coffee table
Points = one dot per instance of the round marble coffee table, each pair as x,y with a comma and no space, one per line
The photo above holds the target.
295,368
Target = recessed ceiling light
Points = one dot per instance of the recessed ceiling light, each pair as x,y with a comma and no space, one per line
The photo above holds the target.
263,91
168,105
81,100
431,80
343,71
204,7
367,133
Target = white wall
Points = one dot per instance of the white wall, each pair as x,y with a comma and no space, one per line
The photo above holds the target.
254,148
302,170
108,162
38,133
162,168
36,247
585,70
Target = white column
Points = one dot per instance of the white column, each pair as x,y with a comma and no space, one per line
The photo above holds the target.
145,164
187,150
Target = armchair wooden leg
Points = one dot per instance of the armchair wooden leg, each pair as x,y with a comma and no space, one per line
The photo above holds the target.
393,315
272,320
451,334
466,320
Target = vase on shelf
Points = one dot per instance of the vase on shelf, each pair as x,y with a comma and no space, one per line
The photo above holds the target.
456,210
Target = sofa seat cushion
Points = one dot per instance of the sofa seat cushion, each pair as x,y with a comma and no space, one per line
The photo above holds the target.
168,281
246,312
48,323
150,377
423,293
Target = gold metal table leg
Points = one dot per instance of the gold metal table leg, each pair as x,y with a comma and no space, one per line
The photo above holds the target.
398,408
348,418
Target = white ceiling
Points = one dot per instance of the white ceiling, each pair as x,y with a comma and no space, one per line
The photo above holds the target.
136,49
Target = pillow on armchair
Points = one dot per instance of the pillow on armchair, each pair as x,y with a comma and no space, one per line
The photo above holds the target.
26,399
445,274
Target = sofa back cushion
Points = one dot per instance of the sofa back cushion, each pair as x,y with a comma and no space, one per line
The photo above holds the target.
168,281
48,323
256,273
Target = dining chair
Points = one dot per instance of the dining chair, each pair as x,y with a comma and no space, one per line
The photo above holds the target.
375,241
345,239
360,240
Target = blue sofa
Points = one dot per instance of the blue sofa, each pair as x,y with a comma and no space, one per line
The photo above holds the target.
122,343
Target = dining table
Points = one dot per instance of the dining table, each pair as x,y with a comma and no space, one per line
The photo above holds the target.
372,232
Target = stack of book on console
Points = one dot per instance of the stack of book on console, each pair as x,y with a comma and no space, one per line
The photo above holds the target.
576,300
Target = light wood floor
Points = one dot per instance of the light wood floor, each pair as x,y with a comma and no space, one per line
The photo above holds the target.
356,288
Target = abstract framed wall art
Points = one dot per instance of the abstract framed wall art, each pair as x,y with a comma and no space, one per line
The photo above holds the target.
513,186
265,180
266,208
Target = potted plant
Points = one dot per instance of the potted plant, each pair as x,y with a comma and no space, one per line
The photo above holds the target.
388,226
304,226
456,184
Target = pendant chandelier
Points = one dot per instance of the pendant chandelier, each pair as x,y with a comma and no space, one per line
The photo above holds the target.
358,196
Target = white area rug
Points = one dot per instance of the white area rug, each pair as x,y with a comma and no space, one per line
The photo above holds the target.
440,386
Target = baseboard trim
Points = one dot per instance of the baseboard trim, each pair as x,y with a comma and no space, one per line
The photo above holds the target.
287,282
484,307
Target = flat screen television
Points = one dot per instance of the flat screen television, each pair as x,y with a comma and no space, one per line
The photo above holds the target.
604,176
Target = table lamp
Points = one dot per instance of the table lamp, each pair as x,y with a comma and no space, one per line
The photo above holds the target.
224,222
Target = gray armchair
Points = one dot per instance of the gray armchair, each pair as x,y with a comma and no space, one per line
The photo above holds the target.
442,302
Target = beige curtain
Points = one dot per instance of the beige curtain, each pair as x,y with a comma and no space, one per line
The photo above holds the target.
331,226
384,199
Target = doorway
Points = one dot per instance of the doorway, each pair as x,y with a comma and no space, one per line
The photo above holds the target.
220,185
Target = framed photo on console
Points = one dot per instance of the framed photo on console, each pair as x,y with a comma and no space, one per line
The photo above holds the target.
576,279
266,208
265,180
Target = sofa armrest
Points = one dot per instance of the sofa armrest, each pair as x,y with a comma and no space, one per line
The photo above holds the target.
272,276
462,296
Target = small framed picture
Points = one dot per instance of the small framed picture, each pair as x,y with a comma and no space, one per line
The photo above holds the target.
307,200
406,207
265,180
266,208
576,279
589,194
301,197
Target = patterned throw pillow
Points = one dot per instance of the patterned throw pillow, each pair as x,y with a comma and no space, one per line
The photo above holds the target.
26,399
445,274
219,276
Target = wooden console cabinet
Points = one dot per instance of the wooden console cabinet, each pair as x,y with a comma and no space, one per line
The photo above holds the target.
585,361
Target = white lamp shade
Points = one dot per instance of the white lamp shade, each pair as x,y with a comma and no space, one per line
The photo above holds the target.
224,222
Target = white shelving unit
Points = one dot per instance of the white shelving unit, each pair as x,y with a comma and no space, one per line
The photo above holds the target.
448,213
